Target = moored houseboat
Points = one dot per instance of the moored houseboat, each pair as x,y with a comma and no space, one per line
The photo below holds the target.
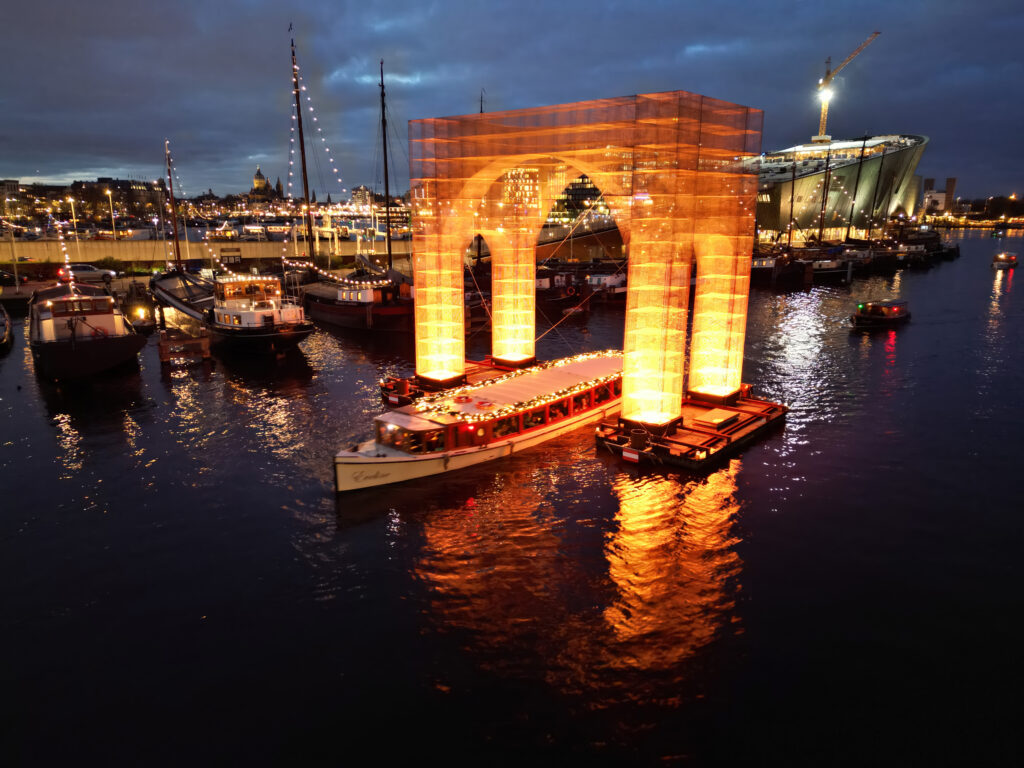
462,427
78,330
239,311
364,300
251,312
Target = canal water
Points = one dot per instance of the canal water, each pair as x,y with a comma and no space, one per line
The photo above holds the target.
180,585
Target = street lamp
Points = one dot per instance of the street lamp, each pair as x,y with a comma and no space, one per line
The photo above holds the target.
113,227
74,225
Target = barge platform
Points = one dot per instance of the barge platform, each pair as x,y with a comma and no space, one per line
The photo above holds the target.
706,434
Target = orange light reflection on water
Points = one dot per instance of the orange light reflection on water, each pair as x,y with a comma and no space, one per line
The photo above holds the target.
660,586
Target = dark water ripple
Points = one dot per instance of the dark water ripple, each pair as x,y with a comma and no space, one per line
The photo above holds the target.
172,560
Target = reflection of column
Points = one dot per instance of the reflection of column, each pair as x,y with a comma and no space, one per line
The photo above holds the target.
673,563
719,314
664,580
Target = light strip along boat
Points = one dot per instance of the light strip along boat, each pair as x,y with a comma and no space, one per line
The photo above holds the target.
470,425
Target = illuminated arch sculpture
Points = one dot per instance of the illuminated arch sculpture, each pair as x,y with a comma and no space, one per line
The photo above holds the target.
669,167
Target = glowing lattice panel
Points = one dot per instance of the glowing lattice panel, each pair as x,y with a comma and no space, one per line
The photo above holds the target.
719,315
661,161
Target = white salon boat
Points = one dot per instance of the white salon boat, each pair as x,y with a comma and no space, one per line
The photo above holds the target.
469,425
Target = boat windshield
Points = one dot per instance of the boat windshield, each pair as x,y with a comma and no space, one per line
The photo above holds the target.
410,441
255,291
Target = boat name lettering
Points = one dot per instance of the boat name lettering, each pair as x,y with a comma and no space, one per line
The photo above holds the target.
361,476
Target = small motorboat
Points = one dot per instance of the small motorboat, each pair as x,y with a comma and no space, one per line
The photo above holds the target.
1004,260
879,314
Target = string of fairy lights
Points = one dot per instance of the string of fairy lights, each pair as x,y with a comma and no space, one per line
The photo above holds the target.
345,281
320,136
442,403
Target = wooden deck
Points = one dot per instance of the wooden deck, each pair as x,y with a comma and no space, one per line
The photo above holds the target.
707,434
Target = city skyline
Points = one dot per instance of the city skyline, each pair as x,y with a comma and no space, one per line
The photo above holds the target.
108,85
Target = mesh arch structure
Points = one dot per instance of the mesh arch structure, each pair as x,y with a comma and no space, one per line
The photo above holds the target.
670,167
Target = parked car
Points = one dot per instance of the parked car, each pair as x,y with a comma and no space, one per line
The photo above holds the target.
85,273
7,278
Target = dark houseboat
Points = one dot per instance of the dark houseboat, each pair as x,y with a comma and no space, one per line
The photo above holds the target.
78,330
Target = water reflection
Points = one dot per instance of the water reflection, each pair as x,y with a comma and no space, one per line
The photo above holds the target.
639,585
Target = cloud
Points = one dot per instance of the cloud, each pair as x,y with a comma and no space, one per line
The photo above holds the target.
100,86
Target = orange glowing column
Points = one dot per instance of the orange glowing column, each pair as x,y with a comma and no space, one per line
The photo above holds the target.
655,337
440,304
719,314
513,287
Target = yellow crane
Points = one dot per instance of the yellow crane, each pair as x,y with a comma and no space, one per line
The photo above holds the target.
825,92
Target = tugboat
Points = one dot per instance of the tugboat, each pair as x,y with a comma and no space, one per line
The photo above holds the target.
77,330
461,427
880,314
1004,260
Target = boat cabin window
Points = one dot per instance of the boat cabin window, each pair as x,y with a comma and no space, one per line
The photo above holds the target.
602,394
558,409
408,440
255,291
74,306
534,418
506,426
580,402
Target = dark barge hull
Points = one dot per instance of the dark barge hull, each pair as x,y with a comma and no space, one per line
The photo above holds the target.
689,444
387,317
78,359
276,340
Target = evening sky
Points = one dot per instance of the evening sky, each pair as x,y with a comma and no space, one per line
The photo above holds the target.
93,89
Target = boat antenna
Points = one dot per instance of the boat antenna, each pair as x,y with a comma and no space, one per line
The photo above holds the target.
482,92
174,213
387,192
307,217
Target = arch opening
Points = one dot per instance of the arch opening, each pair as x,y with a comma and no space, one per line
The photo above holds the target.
670,168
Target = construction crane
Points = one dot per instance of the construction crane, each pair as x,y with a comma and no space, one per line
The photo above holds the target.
824,89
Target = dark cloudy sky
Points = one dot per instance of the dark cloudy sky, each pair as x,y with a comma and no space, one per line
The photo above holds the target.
93,88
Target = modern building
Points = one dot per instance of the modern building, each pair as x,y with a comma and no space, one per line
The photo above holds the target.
939,200
830,190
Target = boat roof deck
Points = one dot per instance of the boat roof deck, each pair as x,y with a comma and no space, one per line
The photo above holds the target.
485,399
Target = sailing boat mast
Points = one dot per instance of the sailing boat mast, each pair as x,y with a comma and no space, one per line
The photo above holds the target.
174,213
307,216
384,145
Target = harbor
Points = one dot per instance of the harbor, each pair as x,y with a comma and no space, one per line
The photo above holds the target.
644,396
280,608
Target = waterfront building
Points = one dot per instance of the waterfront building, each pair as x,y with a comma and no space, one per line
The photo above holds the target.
362,195
828,190
939,201
262,193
